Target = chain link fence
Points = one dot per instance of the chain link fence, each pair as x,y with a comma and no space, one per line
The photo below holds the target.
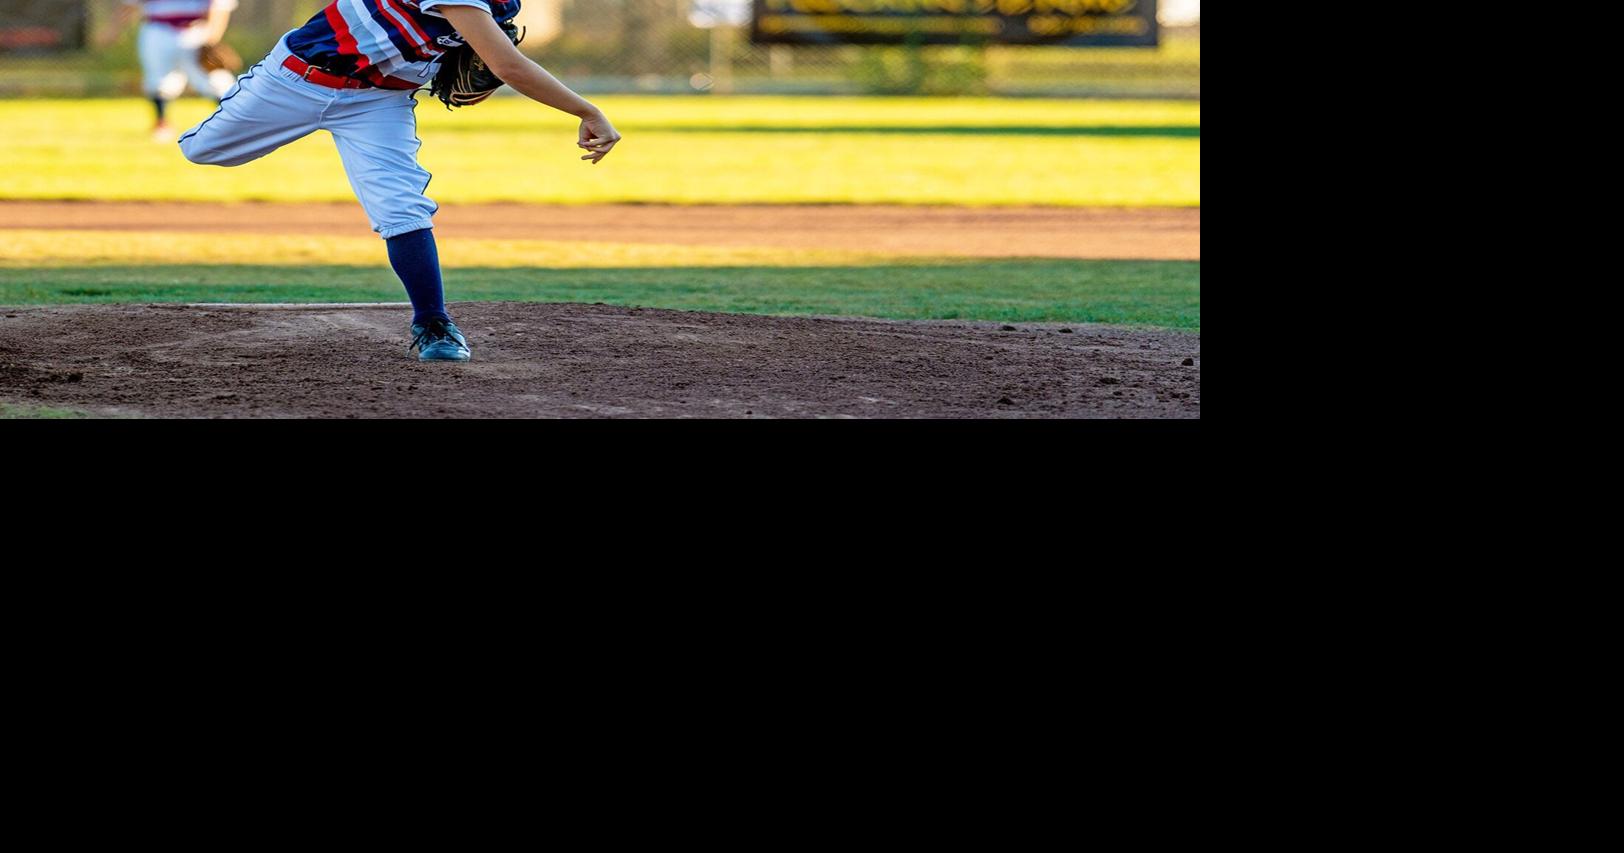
50,48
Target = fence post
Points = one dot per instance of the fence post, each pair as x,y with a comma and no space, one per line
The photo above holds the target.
721,59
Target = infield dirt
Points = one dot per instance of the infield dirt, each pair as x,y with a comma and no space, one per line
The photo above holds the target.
549,360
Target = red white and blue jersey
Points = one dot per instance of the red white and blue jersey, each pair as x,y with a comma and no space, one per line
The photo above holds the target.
404,39
177,13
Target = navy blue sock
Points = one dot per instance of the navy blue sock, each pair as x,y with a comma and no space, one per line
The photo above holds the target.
159,104
416,260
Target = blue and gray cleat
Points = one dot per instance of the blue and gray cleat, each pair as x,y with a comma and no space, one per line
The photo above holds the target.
439,340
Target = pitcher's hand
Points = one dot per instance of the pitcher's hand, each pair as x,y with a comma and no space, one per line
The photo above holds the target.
598,137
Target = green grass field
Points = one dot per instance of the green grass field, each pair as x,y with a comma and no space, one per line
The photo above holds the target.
52,267
19,412
684,150
1123,292
677,150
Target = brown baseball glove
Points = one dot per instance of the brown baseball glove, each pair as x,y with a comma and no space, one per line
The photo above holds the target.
464,78
219,57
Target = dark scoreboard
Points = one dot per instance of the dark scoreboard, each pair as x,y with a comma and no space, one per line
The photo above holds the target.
1074,23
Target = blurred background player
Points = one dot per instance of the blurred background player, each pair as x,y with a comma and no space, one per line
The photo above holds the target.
172,33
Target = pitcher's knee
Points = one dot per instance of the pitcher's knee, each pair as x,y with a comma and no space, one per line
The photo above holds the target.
203,154
402,214
197,152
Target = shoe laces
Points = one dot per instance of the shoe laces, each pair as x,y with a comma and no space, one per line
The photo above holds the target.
433,332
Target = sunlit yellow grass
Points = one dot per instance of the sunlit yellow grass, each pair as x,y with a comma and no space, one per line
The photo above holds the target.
678,150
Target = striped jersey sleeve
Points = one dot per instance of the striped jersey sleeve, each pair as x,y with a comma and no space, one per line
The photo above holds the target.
403,39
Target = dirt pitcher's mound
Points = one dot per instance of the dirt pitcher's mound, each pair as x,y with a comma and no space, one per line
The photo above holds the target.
540,360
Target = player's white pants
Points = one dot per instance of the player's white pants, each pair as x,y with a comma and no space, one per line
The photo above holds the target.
165,50
376,132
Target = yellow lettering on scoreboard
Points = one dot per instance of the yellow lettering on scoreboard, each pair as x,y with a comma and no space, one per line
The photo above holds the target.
957,21
956,7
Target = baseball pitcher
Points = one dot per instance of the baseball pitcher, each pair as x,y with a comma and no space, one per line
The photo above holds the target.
353,70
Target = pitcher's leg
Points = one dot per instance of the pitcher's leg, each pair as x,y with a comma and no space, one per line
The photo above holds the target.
416,259
377,140
260,114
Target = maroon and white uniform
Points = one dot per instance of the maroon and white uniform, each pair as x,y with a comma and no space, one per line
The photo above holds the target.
171,33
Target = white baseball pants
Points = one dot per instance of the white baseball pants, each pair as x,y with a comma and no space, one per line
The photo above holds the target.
375,129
